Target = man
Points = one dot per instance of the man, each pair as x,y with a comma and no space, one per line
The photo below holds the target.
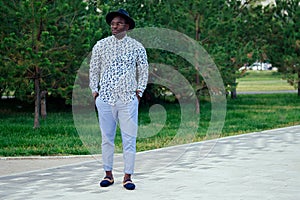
118,78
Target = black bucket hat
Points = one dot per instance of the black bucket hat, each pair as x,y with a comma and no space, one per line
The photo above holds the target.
122,13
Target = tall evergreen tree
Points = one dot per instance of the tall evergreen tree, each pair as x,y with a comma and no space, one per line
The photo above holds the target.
44,43
285,40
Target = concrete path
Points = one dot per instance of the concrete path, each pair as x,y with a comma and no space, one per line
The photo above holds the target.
259,166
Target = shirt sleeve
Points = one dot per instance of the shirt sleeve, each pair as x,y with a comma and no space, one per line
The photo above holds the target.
142,69
94,72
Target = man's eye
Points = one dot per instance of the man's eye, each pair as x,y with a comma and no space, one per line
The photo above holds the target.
117,24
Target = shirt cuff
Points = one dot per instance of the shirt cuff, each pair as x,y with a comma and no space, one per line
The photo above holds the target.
140,93
95,91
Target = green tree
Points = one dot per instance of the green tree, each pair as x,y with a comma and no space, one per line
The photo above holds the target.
227,29
237,39
285,40
154,13
44,43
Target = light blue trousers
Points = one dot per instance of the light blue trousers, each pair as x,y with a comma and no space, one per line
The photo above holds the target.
127,117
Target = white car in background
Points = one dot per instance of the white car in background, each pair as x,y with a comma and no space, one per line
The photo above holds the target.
258,66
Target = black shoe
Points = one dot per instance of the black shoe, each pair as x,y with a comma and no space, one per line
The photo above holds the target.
107,181
128,184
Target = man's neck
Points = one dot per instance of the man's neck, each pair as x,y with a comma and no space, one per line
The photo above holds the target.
120,36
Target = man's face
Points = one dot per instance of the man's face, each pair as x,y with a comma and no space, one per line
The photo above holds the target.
118,26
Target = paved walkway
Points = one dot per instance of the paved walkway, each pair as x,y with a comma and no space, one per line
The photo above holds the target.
259,166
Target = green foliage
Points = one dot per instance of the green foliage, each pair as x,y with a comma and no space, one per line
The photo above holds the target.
45,40
234,33
287,40
48,40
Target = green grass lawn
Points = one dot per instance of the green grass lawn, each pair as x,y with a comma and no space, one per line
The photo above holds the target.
58,135
262,81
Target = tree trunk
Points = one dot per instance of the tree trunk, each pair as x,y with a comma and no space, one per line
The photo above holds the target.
37,99
298,84
197,37
197,28
43,104
197,106
37,104
197,33
233,93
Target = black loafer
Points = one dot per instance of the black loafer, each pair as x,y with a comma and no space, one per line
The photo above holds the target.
128,184
107,181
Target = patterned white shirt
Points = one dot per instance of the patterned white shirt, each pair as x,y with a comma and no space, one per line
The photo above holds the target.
118,68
